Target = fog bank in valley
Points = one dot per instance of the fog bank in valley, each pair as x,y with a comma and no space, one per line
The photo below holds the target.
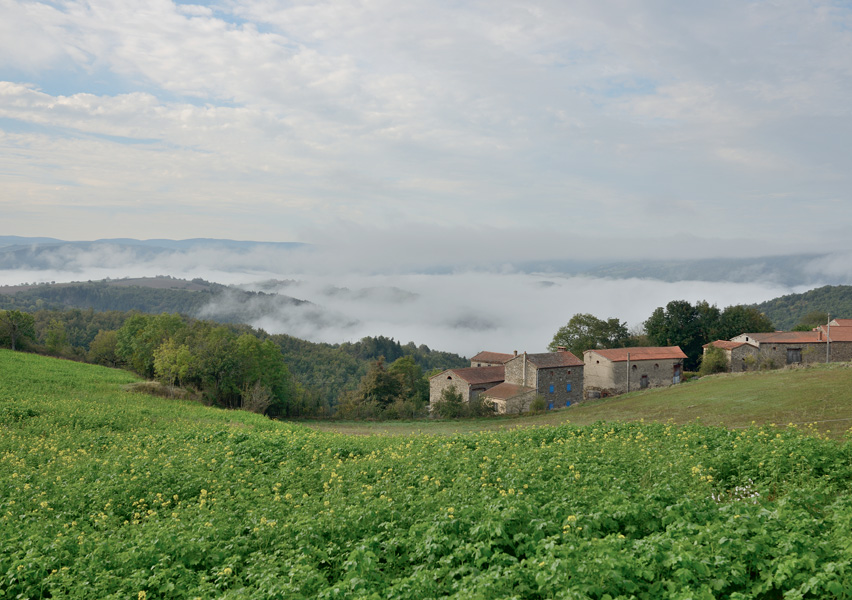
449,302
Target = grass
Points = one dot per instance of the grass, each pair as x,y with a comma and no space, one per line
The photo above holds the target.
110,494
36,382
817,394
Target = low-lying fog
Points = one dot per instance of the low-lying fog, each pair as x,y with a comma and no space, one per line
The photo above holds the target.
467,312
461,309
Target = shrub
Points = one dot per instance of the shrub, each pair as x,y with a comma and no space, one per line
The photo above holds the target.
715,360
538,405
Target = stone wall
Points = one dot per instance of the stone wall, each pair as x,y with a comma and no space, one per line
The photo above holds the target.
515,371
598,375
445,380
566,382
560,386
841,351
738,358
774,355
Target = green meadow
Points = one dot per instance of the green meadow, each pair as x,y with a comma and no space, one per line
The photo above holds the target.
110,494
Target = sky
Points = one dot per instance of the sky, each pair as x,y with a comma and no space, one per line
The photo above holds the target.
542,128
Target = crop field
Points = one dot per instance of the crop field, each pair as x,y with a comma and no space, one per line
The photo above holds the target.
108,494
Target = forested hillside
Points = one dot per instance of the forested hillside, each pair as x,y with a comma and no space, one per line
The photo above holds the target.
322,372
149,295
787,311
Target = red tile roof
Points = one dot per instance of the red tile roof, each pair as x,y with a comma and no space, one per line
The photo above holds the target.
504,391
837,333
640,353
492,357
550,360
786,337
475,375
841,322
726,345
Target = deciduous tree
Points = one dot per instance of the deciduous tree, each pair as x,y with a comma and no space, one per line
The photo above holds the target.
585,331
16,327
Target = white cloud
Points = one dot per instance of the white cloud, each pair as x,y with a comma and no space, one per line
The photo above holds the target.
583,116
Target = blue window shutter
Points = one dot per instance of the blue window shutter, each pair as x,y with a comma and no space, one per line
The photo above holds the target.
550,406
552,389
568,387
567,403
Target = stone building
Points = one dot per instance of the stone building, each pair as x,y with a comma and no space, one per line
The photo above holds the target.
555,376
742,356
780,348
468,381
619,370
823,344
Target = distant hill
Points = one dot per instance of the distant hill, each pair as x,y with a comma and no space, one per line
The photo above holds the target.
43,253
147,294
788,310
52,254
784,270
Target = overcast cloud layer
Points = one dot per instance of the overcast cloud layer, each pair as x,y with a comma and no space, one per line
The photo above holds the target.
520,125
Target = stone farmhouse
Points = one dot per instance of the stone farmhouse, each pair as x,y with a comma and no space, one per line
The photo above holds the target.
512,381
620,370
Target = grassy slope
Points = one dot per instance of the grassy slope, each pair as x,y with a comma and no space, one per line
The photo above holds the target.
818,394
106,494
32,384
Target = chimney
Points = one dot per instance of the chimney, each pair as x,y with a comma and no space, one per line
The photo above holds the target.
561,349
820,336
516,352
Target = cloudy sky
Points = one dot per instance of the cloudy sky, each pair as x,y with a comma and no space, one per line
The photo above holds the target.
508,124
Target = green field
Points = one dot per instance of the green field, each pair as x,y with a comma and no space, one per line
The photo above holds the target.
108,494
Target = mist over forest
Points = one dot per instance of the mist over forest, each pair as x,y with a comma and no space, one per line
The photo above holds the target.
460,304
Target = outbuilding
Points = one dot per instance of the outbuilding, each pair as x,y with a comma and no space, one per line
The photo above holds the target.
614,371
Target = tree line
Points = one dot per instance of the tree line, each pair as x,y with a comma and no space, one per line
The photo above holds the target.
679,323
237,366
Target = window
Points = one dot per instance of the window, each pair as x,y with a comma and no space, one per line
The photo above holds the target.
567,388
656,365
634,367
550,406
552,389
567,403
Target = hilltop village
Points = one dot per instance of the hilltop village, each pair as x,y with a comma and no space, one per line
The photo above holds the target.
512,382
